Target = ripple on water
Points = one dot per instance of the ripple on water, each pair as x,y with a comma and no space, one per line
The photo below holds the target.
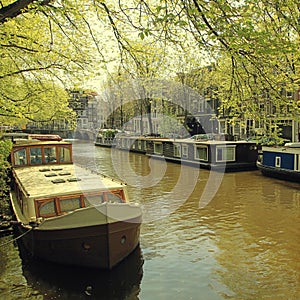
244,244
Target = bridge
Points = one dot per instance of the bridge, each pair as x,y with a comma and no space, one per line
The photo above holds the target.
85,134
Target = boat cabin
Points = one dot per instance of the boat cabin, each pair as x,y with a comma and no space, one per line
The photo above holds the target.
31,153
74,215
210,154
45,192
46,182
287,157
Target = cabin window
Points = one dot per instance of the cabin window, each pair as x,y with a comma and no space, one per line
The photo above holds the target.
297,162
158,148
114,198
93,199
46,208
20,157
177,150
139,144
225,153
185,151
201,153
119,143
123,143
35,156
65,155
277,161
70,204
50,154
128,144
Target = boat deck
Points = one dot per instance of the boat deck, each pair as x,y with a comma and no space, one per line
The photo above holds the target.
44,181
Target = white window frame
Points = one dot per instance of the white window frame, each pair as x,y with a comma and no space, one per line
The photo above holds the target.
196,152
225,153
277,161
177,150
184,151
139,144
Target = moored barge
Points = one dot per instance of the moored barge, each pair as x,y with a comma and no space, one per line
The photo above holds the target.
106,138
281,162
216,154
68,214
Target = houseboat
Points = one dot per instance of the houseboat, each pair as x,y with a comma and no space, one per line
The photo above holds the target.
130,143
206,152
106,138
281,162
66,213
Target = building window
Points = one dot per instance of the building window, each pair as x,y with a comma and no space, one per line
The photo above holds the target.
177,150
225,153
201,153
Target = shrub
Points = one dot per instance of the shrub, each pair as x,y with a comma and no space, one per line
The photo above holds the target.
5,147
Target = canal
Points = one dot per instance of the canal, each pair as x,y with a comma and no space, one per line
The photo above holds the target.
205,236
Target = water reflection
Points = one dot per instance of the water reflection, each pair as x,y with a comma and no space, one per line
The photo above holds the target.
54,281
243,245
256,228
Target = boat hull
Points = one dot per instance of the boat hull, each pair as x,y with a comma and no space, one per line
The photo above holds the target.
100,246
279,173
222,167
68,214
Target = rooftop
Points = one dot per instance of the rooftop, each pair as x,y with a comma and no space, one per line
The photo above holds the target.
46,181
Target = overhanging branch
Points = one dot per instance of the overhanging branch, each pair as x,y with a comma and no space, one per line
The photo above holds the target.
17,8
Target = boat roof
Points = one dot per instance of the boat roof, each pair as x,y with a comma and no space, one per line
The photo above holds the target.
202,142
38,142
281,149
59,180
190,140
15,136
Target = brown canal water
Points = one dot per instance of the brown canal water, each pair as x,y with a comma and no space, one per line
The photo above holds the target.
204,236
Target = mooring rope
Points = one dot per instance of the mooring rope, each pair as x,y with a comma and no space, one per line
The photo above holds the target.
15,239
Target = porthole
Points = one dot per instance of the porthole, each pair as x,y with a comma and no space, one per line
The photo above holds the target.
123,240
86,246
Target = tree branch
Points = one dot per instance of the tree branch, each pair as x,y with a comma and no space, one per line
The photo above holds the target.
17,8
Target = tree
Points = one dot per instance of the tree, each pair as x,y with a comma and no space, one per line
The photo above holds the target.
257,39
42,53
5,147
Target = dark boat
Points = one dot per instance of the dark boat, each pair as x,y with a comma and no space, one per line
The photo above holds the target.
68,214
281,162
209,153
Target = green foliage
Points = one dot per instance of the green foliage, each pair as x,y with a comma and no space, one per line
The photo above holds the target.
254,45
42,52
108,133
5,147
169,127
